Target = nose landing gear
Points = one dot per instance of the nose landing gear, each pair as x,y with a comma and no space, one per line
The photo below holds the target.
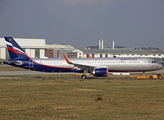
84,74
143,72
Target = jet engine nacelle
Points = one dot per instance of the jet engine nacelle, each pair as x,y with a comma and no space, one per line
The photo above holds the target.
100,72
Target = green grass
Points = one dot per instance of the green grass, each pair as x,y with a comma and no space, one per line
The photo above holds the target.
66,98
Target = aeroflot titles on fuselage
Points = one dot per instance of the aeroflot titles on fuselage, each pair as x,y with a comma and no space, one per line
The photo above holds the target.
86,62
128,58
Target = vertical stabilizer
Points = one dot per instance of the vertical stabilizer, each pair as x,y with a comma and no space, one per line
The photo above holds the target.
15,51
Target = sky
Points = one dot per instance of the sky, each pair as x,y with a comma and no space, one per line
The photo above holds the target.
81,23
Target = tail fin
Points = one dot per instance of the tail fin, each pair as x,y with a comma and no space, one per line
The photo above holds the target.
15,51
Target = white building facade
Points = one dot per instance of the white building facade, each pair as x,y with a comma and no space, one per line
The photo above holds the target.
104,53
35,48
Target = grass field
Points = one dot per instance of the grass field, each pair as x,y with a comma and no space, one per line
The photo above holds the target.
49,97
64,98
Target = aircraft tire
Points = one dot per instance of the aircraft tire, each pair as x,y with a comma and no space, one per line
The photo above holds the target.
83,77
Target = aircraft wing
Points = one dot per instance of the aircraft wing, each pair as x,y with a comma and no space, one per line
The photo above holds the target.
81,66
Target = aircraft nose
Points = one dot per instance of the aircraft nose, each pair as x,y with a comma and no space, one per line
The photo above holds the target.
159,66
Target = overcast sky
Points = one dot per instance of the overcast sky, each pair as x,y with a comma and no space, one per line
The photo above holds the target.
81,23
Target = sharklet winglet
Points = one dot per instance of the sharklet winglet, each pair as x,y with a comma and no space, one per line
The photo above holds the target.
67,60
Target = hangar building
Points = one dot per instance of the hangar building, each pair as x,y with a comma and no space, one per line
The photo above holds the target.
57,51
35,48
105,53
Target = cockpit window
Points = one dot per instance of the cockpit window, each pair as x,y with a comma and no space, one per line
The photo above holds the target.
154,61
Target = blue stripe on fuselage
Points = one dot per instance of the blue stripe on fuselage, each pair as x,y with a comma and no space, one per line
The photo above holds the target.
47,68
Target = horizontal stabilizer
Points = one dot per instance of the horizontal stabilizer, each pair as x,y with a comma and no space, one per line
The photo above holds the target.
13,62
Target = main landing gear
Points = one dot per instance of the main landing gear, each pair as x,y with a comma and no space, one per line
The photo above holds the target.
83,76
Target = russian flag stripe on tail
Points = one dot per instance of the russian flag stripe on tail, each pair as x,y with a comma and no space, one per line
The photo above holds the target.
15,51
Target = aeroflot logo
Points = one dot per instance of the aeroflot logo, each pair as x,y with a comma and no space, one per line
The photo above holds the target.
10,39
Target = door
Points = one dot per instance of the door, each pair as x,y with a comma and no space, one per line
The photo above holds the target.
145,62
31,64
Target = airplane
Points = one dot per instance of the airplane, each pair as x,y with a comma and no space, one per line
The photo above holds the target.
99,67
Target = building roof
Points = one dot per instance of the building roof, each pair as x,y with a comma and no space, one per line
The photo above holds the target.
117,51
26,42
52,46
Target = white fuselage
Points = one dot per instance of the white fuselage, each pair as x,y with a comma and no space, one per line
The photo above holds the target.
113,64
